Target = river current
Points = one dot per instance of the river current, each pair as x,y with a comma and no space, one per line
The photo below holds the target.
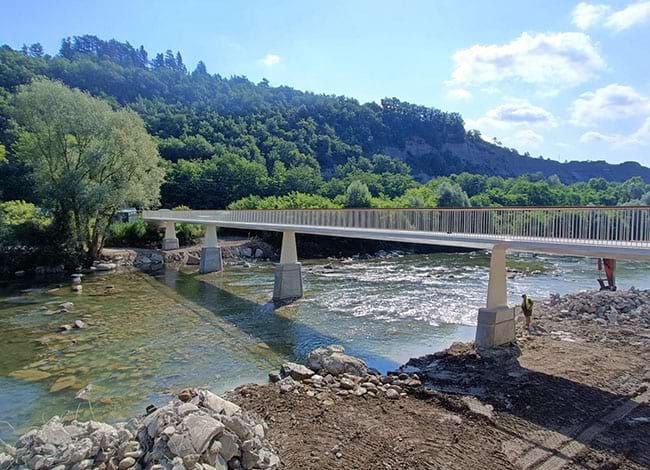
150,335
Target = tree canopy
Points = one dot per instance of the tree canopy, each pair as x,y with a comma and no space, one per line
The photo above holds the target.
87,160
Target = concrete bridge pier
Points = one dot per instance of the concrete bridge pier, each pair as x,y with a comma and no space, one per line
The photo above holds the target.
496,323
170,242
211,260
288,272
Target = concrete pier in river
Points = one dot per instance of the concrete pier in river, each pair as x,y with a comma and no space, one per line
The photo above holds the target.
599,232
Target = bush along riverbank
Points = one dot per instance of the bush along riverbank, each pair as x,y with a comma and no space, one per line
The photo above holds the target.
575,393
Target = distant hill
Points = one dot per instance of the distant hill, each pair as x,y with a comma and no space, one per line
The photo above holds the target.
196,114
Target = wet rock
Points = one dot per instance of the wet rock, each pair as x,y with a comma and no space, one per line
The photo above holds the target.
259,253
30,375
79,324
193,260
66,306
246,252
105,266
295,371
62,383
333,360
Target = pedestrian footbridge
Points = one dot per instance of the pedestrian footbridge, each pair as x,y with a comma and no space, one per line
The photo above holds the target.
599,232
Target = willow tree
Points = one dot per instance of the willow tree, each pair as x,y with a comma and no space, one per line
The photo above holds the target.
88,160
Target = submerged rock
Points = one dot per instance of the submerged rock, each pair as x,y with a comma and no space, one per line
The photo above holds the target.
30,375
63,383
105,266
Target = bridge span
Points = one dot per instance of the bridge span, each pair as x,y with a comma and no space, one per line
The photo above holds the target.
600,232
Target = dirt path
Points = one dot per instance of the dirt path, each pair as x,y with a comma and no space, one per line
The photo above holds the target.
576,400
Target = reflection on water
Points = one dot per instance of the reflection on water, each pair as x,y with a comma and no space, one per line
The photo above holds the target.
150,335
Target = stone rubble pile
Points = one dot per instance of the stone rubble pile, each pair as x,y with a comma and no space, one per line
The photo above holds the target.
204,432
630,306
332,374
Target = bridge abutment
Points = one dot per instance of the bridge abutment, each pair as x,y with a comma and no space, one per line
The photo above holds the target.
496,323
211,260
288,272
170,242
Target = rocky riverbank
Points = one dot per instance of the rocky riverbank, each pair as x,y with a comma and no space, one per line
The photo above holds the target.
234,251
199,431
574,394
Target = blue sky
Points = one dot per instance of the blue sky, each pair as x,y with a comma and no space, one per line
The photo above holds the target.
569,80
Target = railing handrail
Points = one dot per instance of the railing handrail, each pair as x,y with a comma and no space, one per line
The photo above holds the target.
604,225
494,208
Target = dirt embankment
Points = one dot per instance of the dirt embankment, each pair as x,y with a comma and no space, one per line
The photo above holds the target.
573,395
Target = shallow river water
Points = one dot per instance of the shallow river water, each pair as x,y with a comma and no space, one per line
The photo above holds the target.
150,335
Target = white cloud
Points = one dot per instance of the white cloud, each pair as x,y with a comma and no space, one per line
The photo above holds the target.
632,15
528,138
595,137
641,137
608,103
515,123
460,94
586,15
560,59
513,115
271,59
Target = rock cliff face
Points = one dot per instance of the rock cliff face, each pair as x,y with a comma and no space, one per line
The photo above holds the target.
478,156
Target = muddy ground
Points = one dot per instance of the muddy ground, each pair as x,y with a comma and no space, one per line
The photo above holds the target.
574,396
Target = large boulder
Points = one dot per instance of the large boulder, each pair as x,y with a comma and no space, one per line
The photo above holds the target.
295,371
205,430
333,360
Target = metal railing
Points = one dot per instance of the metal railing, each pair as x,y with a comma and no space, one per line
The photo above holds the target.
612,226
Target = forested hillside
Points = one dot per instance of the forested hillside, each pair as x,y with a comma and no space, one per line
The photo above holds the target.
228,138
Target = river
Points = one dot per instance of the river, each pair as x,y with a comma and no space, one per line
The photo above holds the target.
150,335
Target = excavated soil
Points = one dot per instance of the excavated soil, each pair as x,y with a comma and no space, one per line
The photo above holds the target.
574,396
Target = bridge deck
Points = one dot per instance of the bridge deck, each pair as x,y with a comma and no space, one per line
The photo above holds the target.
622,233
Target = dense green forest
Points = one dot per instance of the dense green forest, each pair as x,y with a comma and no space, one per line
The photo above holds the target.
224,139
101,125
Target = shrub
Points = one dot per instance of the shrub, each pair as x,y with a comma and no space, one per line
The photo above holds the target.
357,195
137,234
188,234
23,224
